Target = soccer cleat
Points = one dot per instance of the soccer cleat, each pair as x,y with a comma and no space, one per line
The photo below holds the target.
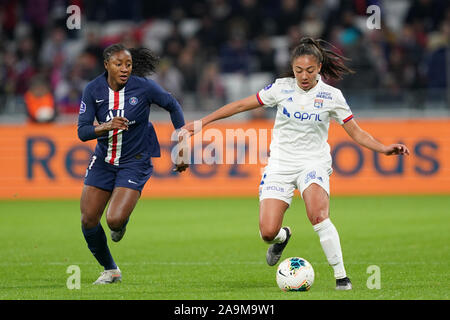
275,250
109,276
116,236
343,284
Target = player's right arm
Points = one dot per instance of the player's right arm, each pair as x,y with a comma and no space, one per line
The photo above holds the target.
86,128
225,111
267,97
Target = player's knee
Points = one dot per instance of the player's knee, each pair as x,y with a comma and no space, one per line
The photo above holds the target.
268,234
318,216
115,223
88,221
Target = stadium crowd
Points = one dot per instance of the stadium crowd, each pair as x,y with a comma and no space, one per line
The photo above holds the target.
212,49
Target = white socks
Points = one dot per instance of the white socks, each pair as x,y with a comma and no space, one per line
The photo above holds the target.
329,239
280,237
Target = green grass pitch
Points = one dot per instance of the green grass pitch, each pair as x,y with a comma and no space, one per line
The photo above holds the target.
210,249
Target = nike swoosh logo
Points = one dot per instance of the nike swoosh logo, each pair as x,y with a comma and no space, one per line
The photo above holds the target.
279,271
98,101
132,181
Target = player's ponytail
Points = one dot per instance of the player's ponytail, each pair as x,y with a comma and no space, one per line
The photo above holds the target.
332,63
144,60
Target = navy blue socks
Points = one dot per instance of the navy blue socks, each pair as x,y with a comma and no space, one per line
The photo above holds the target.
96,241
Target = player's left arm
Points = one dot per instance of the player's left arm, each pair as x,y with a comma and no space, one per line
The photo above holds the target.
166,101
363,138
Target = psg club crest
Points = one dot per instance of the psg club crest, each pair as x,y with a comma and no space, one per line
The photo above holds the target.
318,103
133,101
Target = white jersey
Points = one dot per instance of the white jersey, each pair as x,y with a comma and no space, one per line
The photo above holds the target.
301,125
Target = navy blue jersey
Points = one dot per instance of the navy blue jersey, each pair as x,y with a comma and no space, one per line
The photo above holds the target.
101,103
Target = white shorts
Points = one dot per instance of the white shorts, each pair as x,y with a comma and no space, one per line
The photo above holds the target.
278,185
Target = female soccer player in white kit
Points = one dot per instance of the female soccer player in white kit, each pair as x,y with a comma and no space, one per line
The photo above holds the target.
299,153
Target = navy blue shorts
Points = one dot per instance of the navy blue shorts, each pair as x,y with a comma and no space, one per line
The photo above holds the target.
106,176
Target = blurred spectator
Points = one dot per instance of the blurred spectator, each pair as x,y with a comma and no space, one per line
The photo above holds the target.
437,63
290,14
234,55
107,10
189,63
321,9
188,68
37,14
222,39
54,48
398,70
210,35
413,42
70,102
170,78
25,67
73,81
220,10
429,13
250,13
210,89
265,54
294,35
350,40
9,17
39,101
129,38
350,33
8,73
312,25
93,48
173,44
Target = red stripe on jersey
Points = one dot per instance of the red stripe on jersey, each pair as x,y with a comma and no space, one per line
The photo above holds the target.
115,131
350,117
259,99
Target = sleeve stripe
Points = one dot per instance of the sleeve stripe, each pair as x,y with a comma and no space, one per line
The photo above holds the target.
350,117
259,99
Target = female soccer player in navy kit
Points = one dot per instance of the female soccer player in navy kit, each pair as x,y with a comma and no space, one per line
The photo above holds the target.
299,153
119,100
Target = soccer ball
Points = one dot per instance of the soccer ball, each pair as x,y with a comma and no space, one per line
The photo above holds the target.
295,274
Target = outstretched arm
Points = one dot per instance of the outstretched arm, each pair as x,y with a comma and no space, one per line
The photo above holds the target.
366,140
226,111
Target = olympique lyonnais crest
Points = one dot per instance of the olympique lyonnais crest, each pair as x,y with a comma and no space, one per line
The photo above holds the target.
318,103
